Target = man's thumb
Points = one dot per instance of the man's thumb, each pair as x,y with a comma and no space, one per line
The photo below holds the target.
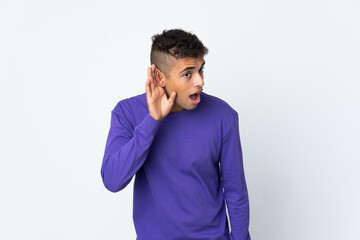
172,98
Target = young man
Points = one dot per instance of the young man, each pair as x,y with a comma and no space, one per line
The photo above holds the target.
184,147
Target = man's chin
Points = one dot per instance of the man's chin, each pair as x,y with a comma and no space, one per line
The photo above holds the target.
192,107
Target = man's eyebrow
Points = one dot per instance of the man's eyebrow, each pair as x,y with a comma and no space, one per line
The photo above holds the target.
185,69
189,68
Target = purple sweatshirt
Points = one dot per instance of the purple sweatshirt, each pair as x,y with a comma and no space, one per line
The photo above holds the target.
186,166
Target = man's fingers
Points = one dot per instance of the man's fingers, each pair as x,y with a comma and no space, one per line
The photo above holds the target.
151,80
147,87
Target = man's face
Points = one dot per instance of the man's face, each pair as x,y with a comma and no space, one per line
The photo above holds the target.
185,78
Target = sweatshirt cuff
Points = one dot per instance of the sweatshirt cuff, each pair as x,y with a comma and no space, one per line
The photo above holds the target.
149,125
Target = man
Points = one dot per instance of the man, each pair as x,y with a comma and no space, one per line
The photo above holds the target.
184,147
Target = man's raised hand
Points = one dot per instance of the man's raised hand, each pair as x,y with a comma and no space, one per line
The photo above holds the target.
158,104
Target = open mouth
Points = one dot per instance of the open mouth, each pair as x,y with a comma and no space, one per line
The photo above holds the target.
195,98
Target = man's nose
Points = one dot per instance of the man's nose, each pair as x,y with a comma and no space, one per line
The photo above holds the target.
199,81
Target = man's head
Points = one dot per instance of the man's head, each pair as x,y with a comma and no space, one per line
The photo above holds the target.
179,60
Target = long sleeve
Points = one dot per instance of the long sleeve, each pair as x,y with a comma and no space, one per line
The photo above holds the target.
126,148
233,181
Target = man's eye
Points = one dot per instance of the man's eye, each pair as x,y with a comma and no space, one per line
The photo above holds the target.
201,70
187,75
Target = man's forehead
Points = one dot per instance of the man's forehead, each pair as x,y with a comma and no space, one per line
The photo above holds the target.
189,61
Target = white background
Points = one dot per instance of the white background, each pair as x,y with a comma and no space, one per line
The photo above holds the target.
289,68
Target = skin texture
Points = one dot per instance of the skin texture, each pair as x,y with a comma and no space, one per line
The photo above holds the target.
172,94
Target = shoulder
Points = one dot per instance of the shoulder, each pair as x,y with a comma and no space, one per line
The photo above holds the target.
130,109
131,103
220,106
222,111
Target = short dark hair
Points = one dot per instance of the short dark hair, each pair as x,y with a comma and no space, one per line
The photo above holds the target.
174,43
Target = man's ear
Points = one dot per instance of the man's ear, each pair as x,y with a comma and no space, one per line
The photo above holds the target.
160,77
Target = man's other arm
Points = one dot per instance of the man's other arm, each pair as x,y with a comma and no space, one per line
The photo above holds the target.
233,180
